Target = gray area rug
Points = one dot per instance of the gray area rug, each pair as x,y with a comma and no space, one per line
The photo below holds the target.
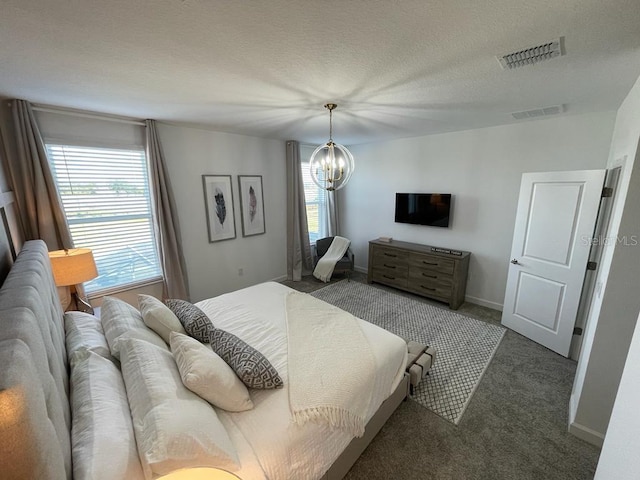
464,346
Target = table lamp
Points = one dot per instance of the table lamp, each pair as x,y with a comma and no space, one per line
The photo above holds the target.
200,473
71,267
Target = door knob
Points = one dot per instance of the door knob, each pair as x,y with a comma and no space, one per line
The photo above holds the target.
515,262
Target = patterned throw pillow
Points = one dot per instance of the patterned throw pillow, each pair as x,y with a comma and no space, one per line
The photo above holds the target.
195,321
250,365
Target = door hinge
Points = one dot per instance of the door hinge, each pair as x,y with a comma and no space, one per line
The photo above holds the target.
592,265
577,331
607,192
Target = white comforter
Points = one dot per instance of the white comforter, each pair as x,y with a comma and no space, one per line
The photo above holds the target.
269,444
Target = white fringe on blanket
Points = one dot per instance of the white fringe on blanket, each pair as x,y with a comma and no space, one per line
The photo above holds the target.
331,365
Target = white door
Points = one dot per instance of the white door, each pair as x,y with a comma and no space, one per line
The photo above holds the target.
551,241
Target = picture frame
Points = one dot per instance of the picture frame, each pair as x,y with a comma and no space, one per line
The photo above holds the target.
218,201
251,205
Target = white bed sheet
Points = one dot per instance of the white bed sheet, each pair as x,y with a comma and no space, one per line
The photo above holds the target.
265,436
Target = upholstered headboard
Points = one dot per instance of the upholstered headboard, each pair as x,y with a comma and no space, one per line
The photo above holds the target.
34,383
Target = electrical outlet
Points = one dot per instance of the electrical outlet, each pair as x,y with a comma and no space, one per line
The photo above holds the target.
240,272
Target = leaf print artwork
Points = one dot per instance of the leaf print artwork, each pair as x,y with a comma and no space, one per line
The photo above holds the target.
218,202
221,208
253,204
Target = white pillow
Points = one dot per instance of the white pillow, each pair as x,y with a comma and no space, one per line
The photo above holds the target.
206,374
119,319
103,444
158,317
174,427
83,332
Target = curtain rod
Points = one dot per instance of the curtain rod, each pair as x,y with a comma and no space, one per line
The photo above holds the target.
83,114
76,113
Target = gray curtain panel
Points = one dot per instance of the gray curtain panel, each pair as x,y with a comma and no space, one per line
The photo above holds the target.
332,214
37,199
299,260
176,284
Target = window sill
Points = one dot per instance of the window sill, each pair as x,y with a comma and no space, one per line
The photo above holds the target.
124,288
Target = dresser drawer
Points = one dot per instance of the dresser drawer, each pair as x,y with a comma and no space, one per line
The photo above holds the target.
430,277
431,262
393,268
390,256
430,289
391,279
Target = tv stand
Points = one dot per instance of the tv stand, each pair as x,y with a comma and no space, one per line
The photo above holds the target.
421,269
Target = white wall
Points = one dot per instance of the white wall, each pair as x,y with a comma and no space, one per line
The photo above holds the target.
615,306
482,169
619,458
213,267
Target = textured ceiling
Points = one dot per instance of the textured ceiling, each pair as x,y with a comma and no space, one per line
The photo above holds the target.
265,68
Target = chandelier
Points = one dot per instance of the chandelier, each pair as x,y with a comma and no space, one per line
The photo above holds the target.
331,164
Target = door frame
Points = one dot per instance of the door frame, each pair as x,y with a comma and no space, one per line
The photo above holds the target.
603,221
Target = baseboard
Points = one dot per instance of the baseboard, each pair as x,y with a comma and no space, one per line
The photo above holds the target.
279,279
361,269
586,434
484,303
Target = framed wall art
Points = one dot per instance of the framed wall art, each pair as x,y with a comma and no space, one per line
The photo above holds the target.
218,200
251,205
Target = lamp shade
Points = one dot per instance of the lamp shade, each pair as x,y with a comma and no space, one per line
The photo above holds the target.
73,266
200,473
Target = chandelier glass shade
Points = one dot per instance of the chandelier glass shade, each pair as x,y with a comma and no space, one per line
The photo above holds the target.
331,164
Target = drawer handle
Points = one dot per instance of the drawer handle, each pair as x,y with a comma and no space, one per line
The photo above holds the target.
390,255
389,266
428,288
389,277
429,263
429,276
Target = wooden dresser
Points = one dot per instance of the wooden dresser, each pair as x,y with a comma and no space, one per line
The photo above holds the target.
418,269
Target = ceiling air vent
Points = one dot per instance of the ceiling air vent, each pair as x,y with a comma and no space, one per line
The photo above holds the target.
529,56
539,112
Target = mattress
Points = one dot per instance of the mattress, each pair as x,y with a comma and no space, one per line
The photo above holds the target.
269,444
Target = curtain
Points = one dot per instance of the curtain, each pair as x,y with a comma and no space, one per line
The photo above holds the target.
37,199
332,214
298,249
174,269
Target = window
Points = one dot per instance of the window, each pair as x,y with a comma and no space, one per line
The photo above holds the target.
106,198
315,197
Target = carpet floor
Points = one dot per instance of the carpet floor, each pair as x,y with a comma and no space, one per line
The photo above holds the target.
515,426
464,346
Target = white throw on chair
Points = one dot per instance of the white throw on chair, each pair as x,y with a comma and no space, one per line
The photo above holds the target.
332,254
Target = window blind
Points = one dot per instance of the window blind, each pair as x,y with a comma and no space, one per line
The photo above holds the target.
106,198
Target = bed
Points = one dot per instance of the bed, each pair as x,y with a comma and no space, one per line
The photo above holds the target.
36,417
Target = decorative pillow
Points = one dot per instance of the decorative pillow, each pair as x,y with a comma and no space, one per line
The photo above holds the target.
174,427
103,444
119,319
195,321
207,375
84,332
250,365
158,317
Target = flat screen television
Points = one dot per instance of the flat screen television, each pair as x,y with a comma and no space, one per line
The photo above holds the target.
431,209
